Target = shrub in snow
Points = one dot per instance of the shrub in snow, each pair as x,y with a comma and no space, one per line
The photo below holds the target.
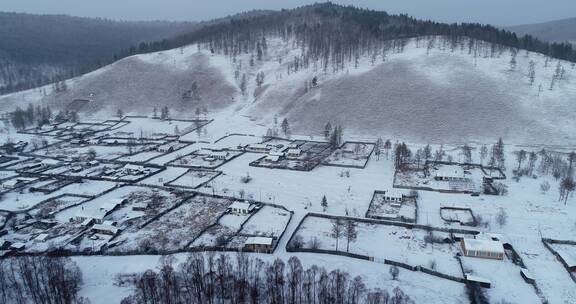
298,242
314,243
544,187
394,272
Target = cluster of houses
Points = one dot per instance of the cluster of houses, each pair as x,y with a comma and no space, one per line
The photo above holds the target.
96,216
260,244
14,183
275,154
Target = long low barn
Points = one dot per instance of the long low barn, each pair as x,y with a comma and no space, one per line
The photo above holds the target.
487,249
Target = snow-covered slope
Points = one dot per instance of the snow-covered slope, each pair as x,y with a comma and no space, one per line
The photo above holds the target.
421,94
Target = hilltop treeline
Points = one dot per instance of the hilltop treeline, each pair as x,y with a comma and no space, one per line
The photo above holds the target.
327,33
344,30
39,49
207,278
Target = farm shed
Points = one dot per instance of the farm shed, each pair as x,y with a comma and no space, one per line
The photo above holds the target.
241,207
487,249
105,229
293,153
259,244
483,282
450,173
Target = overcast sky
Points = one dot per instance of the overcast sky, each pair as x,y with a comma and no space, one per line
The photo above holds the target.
497,12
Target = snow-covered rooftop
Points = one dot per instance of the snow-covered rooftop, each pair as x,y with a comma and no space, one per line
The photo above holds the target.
483,245
259,240
450,171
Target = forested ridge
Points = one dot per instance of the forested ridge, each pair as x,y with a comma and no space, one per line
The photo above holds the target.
326,33
330,29
40,49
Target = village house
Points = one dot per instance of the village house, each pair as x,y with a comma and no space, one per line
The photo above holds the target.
88,217
18,246
241,208
133,169
293,153
139,206
219,155
12,183
293,145
165,148
272,158
259,244
276,153
41,238
483,282
48,162
259,148
105,229
450,173
480,248
392,196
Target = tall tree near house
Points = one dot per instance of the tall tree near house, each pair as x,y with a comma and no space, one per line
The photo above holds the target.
357,149
483,154
439,154
324,203
350,233
260,79
513,61
498,152
427,152
571,160
119,113
532,158
520,157
402,155
467,153
243,85
567,187
285,127
327,130
532,72
418,156
337,230
295,275
387,147
378,147
314,81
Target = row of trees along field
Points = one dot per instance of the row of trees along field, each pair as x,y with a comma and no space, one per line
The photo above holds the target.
225,278
40,280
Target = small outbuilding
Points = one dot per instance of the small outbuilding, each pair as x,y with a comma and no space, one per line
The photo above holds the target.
483,282
259,244
105,229
479,248
241,208
293,153
393,196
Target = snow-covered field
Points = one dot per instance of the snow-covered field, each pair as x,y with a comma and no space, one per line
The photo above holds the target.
442,97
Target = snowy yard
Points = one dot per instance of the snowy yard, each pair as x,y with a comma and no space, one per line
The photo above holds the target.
404,211
351,154
389,242
193,179
268,221
177,228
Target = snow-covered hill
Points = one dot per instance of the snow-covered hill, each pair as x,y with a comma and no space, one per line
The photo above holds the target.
429,92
